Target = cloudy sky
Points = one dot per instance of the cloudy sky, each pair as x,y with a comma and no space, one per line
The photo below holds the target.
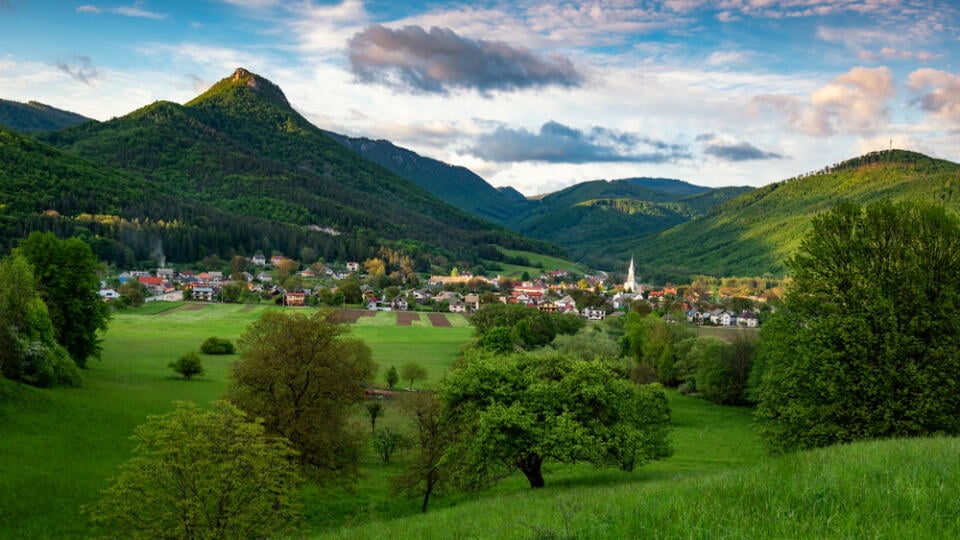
533,94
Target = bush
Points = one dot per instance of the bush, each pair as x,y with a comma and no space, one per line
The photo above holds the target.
215,345
188,365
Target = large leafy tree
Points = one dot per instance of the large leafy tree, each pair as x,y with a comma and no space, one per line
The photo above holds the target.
203,474
517,412
29,352
66,273
867,342
303,377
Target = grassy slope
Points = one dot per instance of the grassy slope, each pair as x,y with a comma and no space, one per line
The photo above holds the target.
755,233
59,447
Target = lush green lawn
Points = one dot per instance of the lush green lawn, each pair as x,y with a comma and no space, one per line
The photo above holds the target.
58,448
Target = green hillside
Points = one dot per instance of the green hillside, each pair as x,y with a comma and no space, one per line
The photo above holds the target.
756,232
124,216
33,116
242,148
591,218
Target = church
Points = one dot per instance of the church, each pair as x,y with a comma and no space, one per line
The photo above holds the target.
630,285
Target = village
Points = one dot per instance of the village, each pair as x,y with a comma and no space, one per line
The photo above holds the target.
554,291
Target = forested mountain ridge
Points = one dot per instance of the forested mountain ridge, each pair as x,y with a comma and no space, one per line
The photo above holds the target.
242,148
455,185
592,219
125,217
756,232
34,116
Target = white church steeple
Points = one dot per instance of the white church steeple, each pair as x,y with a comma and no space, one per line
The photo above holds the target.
630,286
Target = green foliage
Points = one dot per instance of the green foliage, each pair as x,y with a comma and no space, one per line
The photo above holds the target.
392,377
529,327
412,371
588,344
519,411
29,352
649,341
215,345
431,468
202,474
66,274
867,341
187,365
133,293
302,376
386,442
374,410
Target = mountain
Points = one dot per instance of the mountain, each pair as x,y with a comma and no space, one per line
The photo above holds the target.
454,185
755,233
585,219
33,116
592,219
125,217
241,148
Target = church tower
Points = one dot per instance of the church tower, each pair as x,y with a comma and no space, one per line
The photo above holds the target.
630,285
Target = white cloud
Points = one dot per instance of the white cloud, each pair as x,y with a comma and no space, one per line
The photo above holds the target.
136,10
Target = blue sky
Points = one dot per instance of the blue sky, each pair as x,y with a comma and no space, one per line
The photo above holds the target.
536,95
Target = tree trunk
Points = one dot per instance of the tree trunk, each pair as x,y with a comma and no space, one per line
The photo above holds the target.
531,468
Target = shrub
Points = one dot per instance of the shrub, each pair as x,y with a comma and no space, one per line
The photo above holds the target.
215,345
188,365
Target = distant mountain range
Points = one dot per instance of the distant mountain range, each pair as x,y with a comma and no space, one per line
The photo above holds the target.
32,116
585,219
237,170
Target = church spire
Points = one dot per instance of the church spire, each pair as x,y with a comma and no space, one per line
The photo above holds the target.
631,284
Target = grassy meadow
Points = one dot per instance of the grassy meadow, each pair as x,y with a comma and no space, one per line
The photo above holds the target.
60,448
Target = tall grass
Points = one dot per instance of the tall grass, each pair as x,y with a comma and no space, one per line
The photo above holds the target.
883,489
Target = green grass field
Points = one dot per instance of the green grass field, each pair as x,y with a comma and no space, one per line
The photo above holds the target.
539,264
60,447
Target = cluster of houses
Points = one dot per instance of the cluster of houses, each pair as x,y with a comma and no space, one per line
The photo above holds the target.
169,284
722,317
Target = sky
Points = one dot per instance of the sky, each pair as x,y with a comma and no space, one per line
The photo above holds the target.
531,94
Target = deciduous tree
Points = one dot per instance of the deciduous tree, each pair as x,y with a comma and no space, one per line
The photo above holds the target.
518,412
303,377
187,365
412,371
29,352
203,474
66,273
867,341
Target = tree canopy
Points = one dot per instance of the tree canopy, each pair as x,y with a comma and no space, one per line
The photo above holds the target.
867,341
67,280
519,411
302,376
29,352
203,474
